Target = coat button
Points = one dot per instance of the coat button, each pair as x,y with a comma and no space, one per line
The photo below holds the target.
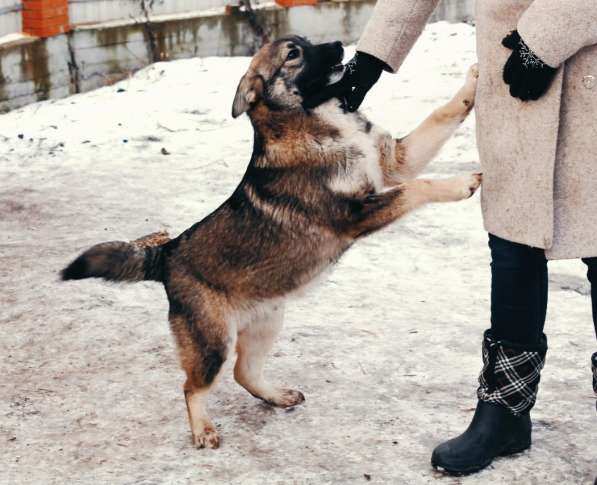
589,81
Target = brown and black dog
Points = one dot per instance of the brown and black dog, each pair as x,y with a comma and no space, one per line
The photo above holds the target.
318,180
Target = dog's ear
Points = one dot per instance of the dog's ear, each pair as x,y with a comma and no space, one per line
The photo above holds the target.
248,93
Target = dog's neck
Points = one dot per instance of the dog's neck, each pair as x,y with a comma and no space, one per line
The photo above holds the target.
289,137
276,123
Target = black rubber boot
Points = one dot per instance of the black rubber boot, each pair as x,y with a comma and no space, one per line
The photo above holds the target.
594,368
494,431
501,425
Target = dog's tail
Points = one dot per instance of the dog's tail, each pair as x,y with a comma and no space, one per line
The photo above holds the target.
139,260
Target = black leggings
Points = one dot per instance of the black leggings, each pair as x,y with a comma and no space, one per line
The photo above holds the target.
519,290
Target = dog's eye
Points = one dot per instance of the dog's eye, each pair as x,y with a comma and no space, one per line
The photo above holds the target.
293,54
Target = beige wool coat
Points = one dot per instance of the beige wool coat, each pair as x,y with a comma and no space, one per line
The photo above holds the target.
539,158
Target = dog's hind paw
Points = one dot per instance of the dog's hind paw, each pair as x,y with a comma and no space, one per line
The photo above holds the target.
207,438
285,398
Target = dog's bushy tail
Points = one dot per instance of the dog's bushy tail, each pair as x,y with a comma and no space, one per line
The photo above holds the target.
119,261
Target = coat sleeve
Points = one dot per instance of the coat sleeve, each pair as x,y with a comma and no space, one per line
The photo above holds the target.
394,27
555,30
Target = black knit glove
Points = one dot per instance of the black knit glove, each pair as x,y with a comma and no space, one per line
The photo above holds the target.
528,76
360,74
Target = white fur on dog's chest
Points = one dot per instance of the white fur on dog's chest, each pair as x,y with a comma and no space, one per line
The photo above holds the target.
362,167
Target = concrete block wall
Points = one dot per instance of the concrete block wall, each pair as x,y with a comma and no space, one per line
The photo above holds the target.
97,11
90,56
104,55
10,17
34,69
231,35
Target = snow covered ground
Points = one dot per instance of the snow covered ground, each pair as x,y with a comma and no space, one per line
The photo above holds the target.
387,350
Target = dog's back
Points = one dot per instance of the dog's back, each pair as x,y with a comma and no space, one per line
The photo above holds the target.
292,214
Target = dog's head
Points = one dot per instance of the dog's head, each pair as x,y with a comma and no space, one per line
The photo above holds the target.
284,72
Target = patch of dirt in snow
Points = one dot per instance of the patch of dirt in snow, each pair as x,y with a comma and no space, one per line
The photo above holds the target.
386,351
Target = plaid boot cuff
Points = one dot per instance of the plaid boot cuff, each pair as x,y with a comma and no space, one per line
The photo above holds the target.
511,373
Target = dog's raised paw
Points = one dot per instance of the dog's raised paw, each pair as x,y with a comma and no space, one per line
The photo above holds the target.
286,398
208,438
470,87
475,182
460,187
473,72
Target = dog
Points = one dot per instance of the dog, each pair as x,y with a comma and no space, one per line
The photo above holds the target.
318,180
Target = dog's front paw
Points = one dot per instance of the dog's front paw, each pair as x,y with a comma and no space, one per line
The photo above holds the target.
473,73
461,187
206,438
472,182
476,179
285,398
470,87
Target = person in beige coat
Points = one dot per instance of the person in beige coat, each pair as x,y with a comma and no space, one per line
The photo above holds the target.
536,111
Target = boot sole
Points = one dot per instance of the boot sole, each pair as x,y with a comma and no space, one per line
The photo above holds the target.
477,468
460,472
516,449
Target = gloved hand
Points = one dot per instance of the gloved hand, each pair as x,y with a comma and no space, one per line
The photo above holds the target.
360,74
528,76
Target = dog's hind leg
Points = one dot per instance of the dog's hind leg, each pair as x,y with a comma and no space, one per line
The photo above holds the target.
418,148
203,345
253,344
